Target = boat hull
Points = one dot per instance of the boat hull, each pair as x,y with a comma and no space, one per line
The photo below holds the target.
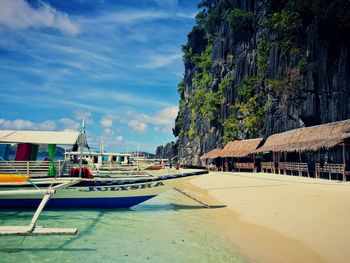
69,203
99,193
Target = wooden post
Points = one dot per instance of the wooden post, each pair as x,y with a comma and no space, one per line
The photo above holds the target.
273,162
318,173
299,164
254,170
239,169
28,170
344,163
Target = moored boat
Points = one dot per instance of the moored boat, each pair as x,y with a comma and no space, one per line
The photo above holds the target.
91,193
77,189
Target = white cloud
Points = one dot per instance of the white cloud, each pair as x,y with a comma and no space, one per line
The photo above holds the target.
163,119
130,16
160,60
20,124
108,132
18,14
63,124
69,124
106,122
120,139
138,126
86,115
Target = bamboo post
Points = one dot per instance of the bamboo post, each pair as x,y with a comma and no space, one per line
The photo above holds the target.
318,173
273,163
344,163
239,169
254,170
300,173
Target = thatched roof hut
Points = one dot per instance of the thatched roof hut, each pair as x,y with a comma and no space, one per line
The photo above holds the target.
240,148
309,138
211,154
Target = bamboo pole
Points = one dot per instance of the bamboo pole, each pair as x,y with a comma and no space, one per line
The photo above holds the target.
40,208
299,164
344,163
254,170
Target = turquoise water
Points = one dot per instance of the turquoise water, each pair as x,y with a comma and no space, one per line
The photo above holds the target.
168,228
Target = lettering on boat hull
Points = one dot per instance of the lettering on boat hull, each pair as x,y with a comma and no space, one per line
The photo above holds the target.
123,187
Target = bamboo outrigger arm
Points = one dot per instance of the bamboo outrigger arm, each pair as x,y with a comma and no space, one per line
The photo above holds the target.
32,228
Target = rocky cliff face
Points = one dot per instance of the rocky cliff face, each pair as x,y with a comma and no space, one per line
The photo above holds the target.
254,68
167,151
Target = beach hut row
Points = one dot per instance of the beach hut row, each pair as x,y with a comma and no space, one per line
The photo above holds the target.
317,151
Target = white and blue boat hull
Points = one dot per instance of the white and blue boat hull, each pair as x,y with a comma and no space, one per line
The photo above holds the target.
110,193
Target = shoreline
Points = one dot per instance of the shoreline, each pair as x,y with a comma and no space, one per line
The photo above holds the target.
278,218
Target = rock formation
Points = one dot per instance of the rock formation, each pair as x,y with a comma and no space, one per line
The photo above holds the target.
254,68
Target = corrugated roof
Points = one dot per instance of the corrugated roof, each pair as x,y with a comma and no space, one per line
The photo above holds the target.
240,148
39,137
309,138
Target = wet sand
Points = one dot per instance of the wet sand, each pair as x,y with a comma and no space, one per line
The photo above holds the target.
277,218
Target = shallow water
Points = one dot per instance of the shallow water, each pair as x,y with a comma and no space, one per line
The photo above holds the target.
168,228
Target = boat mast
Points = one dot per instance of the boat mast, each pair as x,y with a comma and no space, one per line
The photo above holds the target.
138,150
81,142
102,145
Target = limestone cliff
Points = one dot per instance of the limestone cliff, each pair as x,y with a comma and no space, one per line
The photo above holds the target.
253,68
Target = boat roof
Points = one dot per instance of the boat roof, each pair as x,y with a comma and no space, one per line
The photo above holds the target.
39,137
99,153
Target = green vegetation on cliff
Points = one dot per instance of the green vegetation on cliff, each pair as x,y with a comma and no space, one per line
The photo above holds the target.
239,53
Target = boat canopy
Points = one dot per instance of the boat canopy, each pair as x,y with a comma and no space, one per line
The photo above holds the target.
41,137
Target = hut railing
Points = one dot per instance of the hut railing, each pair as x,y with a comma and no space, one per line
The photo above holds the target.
266,166
244,166
293,167
331,168
37,168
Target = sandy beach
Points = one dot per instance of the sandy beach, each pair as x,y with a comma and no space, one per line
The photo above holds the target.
277,218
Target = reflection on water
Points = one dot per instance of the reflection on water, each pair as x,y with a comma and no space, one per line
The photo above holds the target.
169,228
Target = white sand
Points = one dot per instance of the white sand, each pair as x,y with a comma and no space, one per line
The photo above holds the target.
277,218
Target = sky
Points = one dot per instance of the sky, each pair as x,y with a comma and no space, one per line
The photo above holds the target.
115,63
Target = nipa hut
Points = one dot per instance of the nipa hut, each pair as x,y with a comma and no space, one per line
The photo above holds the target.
209,156
318,138
239,155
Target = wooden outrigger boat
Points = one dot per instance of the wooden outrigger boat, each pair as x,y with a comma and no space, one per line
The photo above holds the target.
24,191
89,193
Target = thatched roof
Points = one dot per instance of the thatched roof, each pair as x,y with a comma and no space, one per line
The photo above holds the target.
211,154
309,138
240,148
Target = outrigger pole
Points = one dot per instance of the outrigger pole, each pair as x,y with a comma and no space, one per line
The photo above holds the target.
32,228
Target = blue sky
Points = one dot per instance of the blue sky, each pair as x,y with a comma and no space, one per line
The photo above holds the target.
117,63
